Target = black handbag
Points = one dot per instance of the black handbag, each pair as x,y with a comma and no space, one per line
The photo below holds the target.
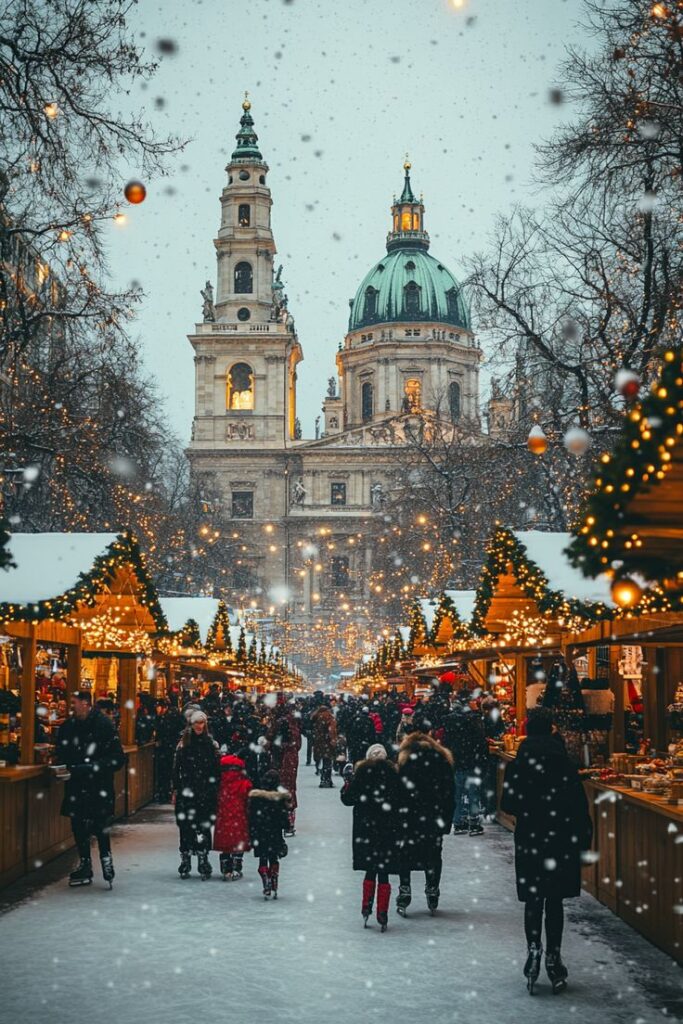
283,851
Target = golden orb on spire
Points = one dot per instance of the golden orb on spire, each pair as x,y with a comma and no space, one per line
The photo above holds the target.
407,164
246,105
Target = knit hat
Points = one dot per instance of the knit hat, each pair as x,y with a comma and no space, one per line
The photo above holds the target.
376,752
198,716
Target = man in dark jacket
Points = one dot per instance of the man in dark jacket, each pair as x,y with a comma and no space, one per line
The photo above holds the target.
89,747
464,737
169,728
426,770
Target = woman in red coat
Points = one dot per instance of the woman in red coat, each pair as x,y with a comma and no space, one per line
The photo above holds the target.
231,835
284,736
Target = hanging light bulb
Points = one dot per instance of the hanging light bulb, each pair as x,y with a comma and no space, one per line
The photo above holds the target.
626,592
135,192
537,442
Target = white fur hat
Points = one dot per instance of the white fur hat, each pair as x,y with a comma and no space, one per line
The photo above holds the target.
376,752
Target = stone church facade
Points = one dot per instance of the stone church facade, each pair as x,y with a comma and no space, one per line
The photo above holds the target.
304,509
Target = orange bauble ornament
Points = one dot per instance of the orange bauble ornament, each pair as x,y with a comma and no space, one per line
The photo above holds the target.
537,442
135,192
626,592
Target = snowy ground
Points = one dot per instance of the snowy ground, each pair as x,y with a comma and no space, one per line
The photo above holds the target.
161,949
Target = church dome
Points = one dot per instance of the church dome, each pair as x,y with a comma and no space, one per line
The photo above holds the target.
408,284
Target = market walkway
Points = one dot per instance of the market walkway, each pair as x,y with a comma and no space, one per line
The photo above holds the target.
160,949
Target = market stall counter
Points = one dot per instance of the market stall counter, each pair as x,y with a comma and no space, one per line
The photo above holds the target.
636,868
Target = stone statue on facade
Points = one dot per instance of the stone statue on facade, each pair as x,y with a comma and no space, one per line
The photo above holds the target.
331,387
317,427
376,497
297,429
208,311
298,492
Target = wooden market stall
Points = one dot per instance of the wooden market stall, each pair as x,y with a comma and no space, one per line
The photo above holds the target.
633,527
86,604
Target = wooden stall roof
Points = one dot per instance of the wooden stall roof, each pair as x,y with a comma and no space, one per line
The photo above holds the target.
80,578
635,514
527,576
664,628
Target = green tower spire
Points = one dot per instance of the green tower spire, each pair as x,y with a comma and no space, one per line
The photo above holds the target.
407,194
247,139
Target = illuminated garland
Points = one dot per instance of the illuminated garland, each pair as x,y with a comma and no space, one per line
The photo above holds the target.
446,610
642,458
221,622
124,551
505,552
105,633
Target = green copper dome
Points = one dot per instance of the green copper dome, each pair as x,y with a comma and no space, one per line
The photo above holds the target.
408,284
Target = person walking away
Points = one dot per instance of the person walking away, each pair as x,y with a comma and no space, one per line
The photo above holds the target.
375,792
426,771
196,772
464,737
361,734
169,729
494,727
284,736
324,742
268,811
231,834
543,792
88,745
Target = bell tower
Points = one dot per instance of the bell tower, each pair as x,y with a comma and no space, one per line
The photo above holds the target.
246,348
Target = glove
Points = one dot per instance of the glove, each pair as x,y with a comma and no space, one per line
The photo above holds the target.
347,772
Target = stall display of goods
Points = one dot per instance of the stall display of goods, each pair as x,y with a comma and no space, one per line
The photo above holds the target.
675,710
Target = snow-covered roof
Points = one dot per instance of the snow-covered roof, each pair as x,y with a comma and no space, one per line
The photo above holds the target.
428,608
463,602
547,550
49,564
179,609
405,634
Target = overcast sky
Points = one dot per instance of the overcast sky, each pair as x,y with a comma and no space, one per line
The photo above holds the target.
340,92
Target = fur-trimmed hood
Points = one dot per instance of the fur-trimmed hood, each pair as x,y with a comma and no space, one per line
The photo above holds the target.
270,794
373,762
414,742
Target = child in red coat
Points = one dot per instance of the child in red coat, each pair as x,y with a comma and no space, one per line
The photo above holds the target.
231,835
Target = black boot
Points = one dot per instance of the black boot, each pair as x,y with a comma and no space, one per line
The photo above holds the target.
556,971
265,879
403,899
203,866
108,873
432,893
226,867
532,967
476,827
185,865
83,873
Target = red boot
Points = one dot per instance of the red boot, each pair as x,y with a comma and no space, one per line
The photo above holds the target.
368,899
274,878
383,897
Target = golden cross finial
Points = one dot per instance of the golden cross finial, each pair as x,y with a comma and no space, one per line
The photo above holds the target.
407,165
246,105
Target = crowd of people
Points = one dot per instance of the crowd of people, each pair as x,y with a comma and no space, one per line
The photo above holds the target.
412,771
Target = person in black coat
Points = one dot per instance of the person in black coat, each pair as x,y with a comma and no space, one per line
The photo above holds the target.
169,729
426,771
268,810
375,792
361,734
464,737
88,745
543,792
196,775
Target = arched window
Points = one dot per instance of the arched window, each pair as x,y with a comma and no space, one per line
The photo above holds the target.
454,401
239,392
453,304
406,220
410,265
370,308
411,294
413,391
244,278
244,215
366,402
